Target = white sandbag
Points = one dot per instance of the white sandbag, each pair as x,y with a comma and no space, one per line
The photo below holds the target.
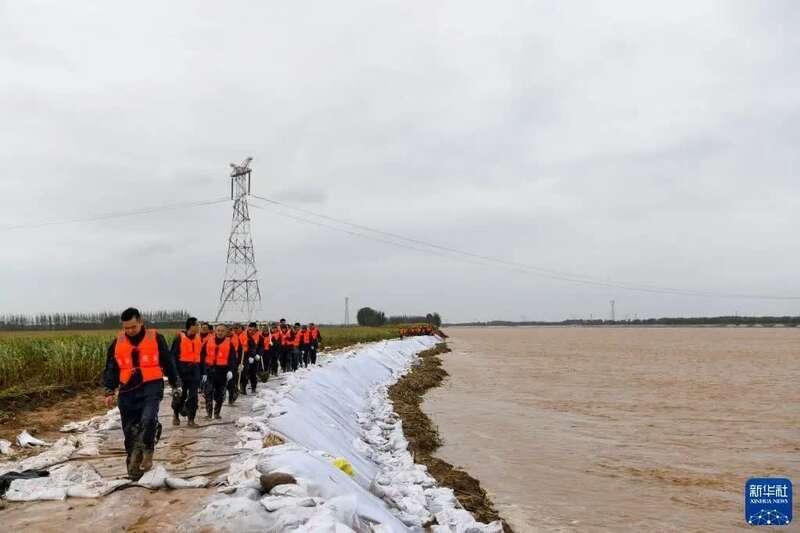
295,491
29,490
234,515
95,489
5,447
155,478
273,503
26,440
192,483
60,452
290,519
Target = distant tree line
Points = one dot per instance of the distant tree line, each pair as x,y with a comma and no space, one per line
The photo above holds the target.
790,321
79,321
368,316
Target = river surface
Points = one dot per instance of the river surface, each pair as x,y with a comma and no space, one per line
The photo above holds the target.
608,429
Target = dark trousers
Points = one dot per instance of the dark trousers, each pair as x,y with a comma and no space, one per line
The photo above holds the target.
243,375
285,358
215,389
231,386
190,381
295,359
249,373
313,351
305,356
271,361
138,410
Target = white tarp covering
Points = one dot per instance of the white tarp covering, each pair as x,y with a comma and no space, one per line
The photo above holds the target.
80,480
339,410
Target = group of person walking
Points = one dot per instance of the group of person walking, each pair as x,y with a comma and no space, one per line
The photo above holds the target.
220,361
224,360
420,329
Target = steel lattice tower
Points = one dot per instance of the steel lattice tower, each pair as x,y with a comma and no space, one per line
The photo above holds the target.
240,298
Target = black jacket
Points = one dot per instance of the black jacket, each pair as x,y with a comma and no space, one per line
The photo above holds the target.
111,373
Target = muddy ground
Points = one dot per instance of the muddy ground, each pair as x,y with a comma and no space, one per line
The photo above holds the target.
203,451
43,416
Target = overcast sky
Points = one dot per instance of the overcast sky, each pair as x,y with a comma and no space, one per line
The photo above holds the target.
646,142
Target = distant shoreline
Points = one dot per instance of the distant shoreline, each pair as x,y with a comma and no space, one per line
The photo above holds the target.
630,326
715,321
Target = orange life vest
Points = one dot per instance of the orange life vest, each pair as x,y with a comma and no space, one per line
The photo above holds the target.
314,333
149,364
297,338
287,338
217,354
268,340
306,336
274,338
257,337
190,348
235,341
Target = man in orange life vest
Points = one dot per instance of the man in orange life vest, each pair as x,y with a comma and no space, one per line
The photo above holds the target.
297,340
217,362
305,346
315,338
272,350
136,362
251,358
232,387
205,331
186,352
286,345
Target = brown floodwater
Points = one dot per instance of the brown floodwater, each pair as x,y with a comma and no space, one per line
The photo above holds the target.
646,429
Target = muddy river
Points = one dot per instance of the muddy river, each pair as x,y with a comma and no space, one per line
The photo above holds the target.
646,429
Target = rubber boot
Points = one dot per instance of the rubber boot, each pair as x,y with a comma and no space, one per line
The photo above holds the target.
217,415
191,423
147,461
134,464
176,421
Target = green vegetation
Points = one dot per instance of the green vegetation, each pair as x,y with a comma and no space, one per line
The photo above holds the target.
38,362
368,316
87,321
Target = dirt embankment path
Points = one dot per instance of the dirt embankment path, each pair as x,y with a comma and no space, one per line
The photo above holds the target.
185,452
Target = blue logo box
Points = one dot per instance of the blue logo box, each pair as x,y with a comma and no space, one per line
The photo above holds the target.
768,501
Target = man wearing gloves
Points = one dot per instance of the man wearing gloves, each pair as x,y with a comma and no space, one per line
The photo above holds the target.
136,362
186,353
251,357
217,363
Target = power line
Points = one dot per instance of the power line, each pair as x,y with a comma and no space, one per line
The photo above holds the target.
362,235
114,214
539,271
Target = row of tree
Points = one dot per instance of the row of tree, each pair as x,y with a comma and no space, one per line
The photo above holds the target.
368,316
77,321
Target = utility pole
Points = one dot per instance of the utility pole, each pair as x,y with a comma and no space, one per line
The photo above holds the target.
241,296
613,312
346,311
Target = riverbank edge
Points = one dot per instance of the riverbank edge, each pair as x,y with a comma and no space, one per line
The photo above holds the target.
424,439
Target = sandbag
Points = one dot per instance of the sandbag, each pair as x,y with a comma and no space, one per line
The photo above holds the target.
8,477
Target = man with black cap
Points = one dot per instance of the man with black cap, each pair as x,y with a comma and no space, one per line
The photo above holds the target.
136,362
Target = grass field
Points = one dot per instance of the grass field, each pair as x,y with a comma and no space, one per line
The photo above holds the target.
40,361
